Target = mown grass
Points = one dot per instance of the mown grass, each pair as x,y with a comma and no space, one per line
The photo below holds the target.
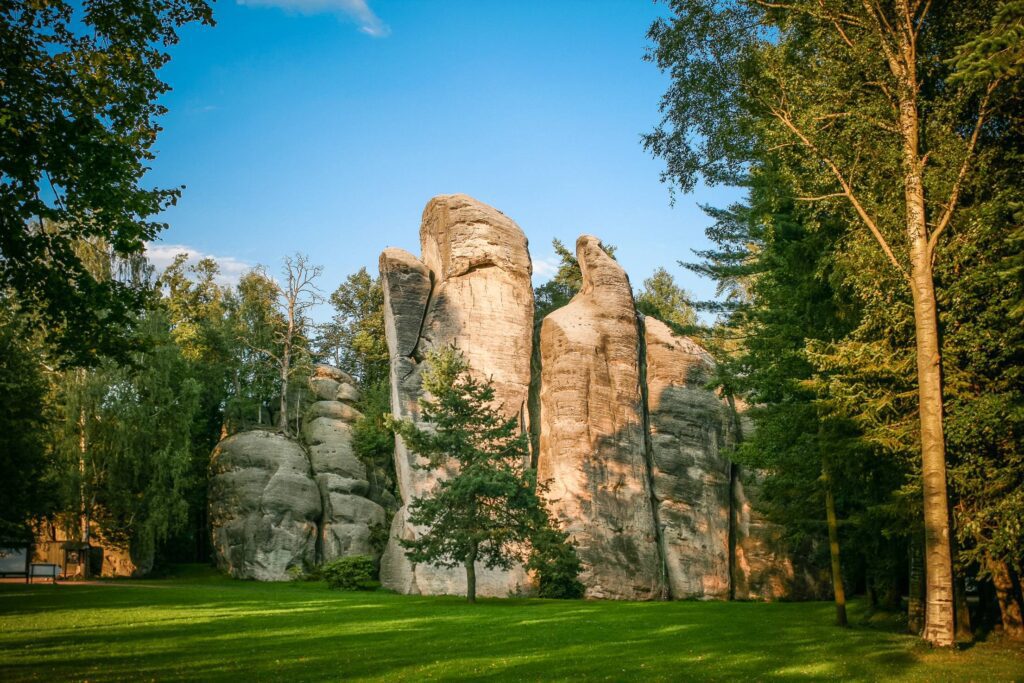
203,628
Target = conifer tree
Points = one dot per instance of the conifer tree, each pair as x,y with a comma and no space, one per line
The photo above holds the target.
488,510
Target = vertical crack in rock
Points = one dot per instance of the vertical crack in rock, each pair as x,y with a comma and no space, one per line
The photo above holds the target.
533,400
649,455
415,354
736,438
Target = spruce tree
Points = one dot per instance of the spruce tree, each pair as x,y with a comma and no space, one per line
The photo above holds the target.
489,510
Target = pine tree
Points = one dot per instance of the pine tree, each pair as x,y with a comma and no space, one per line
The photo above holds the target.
488,511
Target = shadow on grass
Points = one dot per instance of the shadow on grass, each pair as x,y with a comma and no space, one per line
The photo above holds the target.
226,630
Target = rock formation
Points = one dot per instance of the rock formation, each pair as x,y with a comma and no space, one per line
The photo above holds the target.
277,508
348,515
592,441
472,289
264,506
627,436
688,428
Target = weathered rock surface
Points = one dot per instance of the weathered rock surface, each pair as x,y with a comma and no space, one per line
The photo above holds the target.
348,518
407,285
472,289
327,428
592,441
264,506
691,477
326,380
625,432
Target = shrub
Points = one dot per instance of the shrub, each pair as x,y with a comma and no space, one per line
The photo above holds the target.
557,566
355,573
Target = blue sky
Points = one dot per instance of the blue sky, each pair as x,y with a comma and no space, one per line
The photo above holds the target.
324,126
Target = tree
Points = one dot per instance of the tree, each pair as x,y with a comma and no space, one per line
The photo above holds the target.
295,298
278,313
836,93
663,299
197,308
821,480
354,337
253,321
22,428
78,112
487,511
121,446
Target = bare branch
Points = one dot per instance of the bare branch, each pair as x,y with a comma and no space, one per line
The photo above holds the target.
820,197
847,189
954,194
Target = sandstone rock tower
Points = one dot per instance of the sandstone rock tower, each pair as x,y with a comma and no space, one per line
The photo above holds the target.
472,289
592,432
627,436
347,514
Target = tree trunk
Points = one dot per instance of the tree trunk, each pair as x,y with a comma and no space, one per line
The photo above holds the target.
734,475
85,518
938,622
915,595
286,361
1009,607
282,418
471,575
833,550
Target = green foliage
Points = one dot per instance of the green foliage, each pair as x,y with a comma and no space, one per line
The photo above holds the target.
799,102
997,52
22,428
253,320
354,340
197,309
78,114
663,299
556,564
121,447
353,573
487,510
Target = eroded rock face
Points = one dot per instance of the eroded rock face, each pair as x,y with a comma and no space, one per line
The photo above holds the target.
471,289
264,506
626,434
348,515
592,441
691,477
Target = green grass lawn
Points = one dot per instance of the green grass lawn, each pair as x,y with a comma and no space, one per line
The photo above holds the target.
218,629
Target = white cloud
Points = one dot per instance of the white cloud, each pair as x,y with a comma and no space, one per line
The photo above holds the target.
162,255
545,268
356,10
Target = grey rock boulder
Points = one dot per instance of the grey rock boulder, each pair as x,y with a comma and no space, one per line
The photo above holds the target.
264,507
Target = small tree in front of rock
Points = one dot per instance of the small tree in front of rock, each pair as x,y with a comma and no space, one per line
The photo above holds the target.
489,510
